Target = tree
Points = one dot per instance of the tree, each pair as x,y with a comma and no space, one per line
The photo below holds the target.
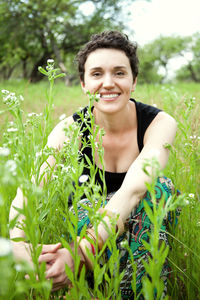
31,31
148,68
191,70
156,56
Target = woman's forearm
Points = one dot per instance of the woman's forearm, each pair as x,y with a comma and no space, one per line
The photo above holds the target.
125,200
18,202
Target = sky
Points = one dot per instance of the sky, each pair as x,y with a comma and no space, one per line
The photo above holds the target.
151,19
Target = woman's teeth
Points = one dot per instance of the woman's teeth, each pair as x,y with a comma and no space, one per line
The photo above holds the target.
109,96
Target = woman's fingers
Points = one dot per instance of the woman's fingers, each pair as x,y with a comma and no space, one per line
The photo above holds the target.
60,282
54,271
50,248
47,257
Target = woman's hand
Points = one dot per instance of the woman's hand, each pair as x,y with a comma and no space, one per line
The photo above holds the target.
56,262
22,250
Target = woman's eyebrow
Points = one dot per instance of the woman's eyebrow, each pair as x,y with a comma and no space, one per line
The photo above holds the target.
96,68
116,67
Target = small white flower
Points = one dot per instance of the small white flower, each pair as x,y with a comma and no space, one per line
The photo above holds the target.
11,166
50,61
191,195
5,247
31,114
124,244
5,92
18,267
62,117
83,178
4,151
155,105
12,129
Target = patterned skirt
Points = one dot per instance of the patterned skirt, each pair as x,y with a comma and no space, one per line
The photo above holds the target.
138,227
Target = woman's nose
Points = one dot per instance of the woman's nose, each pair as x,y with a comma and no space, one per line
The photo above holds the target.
108,81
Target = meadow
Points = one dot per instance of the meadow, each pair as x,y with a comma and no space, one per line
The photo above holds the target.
24,132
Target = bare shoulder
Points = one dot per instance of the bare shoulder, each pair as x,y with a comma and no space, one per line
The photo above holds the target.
163,128
165,117
57,137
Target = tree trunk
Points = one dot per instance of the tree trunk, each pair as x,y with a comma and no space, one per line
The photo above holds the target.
24,68
192,72
35,75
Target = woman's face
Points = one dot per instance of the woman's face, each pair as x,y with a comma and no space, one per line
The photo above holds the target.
108,73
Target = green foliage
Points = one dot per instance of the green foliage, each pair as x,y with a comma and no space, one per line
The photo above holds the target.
191,70
32,31
21,156
155,56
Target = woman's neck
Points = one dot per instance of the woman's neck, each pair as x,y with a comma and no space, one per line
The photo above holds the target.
117,122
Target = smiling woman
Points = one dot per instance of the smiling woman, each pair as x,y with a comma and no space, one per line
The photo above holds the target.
108,73
134,132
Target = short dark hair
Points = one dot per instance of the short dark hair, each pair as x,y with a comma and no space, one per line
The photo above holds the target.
112,40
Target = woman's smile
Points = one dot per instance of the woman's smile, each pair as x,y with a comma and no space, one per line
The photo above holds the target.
108,73
109,96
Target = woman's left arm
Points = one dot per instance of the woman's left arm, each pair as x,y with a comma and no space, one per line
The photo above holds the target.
160,132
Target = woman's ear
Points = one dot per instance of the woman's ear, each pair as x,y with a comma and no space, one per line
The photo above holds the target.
83,86
134,85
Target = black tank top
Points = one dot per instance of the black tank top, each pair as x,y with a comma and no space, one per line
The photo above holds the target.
145,115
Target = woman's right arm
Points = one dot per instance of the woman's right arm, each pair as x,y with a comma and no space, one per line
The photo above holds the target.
56,140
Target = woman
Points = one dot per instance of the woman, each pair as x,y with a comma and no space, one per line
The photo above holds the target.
108,67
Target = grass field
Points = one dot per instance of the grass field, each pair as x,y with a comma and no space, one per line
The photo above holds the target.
182,101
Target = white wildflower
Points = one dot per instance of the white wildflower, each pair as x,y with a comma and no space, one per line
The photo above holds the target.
62,117
4,151
191,195
11,166
5,247
18,268
187,202
32,114
50,61
155,105
66,169
16,156
83,178
124,244
12,129
5,92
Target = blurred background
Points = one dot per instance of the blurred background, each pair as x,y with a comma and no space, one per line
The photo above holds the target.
167,33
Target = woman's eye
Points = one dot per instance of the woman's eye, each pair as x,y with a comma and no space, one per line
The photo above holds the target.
120,73
96,74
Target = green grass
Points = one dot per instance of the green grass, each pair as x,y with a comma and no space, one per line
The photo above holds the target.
182,101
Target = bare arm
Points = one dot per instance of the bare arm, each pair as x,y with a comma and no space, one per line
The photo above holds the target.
55,140
161,131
